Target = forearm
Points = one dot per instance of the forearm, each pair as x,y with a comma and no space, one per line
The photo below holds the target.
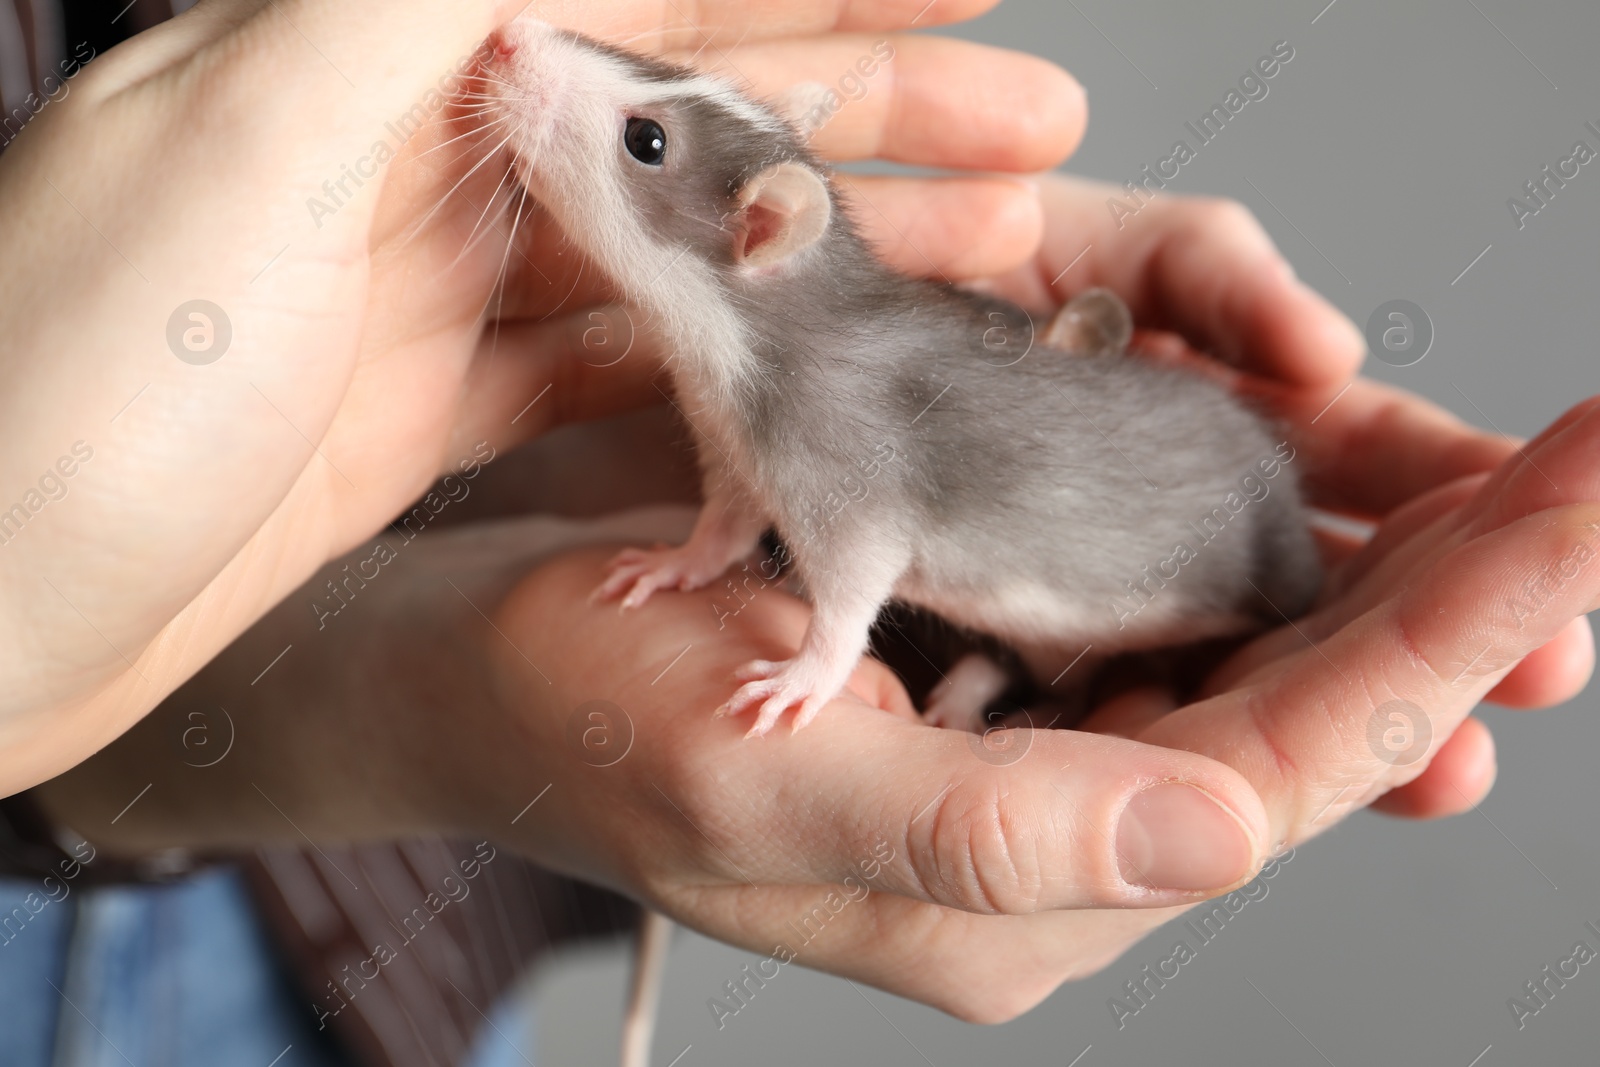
296,731
364,710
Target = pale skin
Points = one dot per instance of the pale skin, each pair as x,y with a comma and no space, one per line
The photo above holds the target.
355,330
1006,881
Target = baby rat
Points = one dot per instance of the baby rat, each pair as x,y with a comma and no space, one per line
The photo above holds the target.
907,439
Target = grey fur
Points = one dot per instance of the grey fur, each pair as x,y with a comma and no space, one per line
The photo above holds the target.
1011,485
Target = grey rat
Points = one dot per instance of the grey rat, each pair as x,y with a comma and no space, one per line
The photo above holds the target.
907,439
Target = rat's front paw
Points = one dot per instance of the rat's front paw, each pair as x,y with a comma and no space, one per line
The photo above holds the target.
775,687
641,571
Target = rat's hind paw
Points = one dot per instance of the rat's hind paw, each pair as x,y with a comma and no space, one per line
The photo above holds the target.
641,571
775,687
959,701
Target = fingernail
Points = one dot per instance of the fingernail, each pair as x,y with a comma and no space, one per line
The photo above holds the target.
1174,836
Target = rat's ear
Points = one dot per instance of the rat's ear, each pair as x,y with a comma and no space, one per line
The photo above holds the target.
782,212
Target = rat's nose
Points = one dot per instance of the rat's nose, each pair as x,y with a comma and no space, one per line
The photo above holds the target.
501,45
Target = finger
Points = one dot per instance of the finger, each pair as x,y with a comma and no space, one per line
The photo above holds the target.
1308,734
1554,468
1520,460
374,55
1409,534
951,228
1202,268
1458,777
640,24
1405,542
1071,820
1077,821
1129,714
979,968
1438,521
928,101
1371,447
382,61
1552,674
1551,470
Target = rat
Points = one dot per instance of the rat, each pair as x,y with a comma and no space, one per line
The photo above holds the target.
884,425
906,439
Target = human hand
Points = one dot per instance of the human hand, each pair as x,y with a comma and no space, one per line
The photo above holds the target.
1209,290
1008,878
361,360
1199,272
1370,449
987,966
992,879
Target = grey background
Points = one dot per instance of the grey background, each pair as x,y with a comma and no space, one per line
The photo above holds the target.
1392,140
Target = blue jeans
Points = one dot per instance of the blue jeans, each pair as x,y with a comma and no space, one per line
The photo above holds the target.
176,975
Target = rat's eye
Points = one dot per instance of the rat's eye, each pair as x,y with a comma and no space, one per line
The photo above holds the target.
646,141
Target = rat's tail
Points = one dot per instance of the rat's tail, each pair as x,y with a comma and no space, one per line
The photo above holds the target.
644,996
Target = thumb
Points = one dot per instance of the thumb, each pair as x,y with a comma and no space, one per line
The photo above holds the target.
1025,820
1366,709
1021,821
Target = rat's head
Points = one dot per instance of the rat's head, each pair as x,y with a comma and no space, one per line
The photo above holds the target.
645,163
